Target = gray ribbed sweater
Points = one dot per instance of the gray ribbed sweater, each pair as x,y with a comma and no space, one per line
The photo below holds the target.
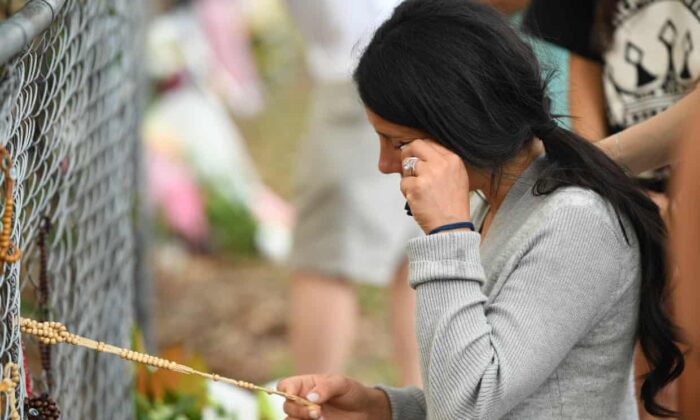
535,322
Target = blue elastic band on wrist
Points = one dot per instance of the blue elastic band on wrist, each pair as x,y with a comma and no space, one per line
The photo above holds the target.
452,226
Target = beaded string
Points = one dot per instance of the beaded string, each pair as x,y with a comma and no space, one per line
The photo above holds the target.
52,333
9,253
8,386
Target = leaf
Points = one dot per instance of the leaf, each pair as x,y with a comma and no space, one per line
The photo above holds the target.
160,383
264,407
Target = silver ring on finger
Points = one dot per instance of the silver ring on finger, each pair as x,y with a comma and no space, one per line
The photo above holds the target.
409,166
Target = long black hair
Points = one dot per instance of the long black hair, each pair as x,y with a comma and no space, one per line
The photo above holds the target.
457,70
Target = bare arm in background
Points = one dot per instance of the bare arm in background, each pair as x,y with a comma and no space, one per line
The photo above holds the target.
652,143
645,146
586,98
642,147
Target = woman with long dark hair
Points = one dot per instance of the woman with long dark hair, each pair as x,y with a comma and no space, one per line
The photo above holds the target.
528,302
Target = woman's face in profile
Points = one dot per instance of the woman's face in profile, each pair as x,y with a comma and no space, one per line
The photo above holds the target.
391,138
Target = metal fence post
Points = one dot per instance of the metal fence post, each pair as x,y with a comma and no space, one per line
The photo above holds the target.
70,104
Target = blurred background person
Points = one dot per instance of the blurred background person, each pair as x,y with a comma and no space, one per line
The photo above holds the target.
630,61
351,226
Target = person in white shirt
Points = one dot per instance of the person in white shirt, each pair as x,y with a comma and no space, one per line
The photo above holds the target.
349,229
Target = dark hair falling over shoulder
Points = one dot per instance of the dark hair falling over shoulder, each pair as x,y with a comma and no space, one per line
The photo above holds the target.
458,71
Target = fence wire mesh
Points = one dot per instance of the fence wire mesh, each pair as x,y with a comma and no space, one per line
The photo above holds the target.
69,111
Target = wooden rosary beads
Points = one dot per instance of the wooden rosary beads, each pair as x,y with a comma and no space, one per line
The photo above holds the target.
8,386
8,251
41,408
52,333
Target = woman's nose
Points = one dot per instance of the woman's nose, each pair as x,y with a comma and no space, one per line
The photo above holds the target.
389,159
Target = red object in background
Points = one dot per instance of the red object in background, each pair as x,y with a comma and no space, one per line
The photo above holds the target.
171,83
27,380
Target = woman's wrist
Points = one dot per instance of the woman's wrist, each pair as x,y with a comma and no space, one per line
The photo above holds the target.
462,226
379,404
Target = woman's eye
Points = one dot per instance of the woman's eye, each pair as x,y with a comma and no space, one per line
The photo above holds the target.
398,146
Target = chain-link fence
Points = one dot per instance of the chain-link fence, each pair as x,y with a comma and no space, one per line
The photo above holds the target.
69,107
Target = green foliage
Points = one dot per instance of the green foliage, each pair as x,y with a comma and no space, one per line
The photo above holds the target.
232,226
161,394
175,406
266,412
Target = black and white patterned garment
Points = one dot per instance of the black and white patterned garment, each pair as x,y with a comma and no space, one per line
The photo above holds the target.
654,59
651,61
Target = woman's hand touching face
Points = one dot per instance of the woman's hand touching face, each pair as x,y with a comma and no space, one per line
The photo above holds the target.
438,188
435,183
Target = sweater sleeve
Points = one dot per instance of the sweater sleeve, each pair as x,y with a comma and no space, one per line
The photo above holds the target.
480,361
406,403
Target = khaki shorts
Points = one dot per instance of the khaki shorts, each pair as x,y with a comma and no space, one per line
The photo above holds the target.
350,217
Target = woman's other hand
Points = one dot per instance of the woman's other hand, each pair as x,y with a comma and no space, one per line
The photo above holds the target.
340,398
437,189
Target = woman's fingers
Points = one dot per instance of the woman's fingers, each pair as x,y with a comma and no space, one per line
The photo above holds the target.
428,150
414,155
409,166
327,387
290,385
407,187
426,154
315,388
300,386
420,149
440,149
299,411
